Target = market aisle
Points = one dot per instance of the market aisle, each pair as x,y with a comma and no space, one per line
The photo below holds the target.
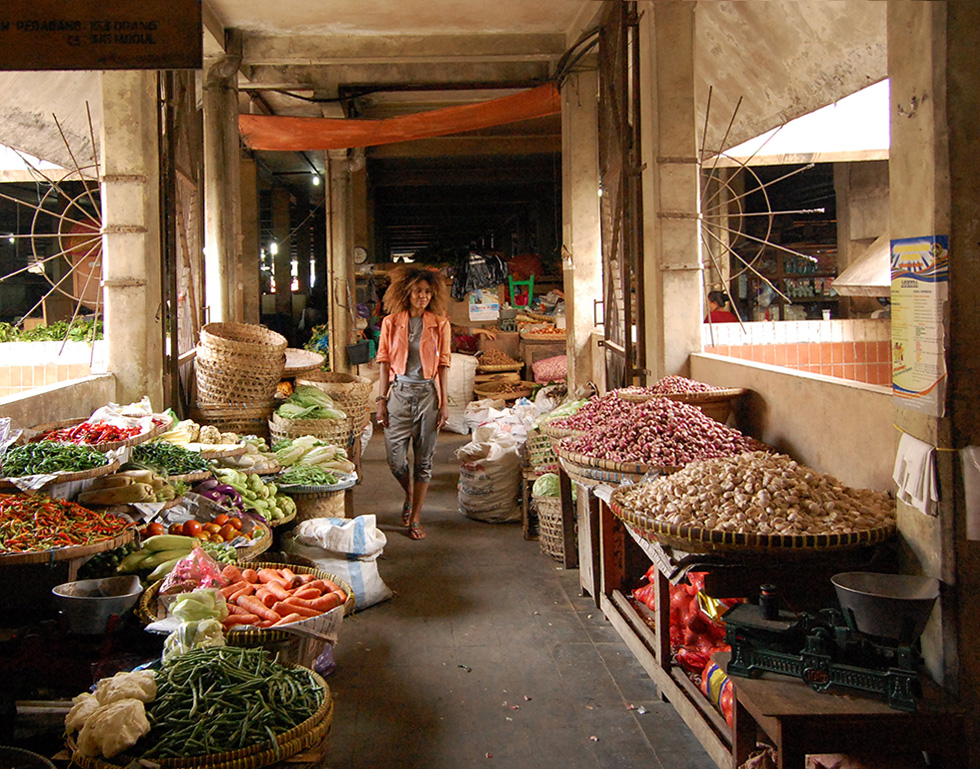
487,648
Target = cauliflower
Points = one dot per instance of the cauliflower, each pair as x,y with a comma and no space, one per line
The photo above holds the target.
229,438
139,685
112,728
209,434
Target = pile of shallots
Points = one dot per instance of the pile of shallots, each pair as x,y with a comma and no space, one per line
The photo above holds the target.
762,494
656,432
671,385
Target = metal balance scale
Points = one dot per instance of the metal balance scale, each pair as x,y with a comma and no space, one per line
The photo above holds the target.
870,645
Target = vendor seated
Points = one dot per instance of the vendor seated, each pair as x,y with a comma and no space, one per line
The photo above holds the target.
716,309
467,340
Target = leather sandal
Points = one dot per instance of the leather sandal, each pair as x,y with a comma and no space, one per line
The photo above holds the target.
415,530
406,513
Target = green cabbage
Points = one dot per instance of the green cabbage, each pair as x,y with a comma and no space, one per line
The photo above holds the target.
308,402
548,486
207,603
193,635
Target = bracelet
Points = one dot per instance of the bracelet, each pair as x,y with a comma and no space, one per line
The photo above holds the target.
381,398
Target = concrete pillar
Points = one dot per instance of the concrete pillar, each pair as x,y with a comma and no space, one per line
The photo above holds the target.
672,276
131,235
251,289
222,192
581,233
934,187
340,266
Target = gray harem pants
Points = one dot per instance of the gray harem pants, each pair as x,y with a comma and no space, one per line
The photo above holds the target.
413,413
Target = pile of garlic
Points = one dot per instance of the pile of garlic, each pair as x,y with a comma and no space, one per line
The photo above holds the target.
759,493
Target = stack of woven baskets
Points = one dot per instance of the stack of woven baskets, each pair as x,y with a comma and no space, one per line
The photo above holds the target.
237,369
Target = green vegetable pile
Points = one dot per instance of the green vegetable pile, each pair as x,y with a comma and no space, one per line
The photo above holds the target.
78,331
312,452
308,402
305,475
213,700
104,564
173,459
49,457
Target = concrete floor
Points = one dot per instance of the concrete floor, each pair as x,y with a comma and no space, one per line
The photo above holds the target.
487,656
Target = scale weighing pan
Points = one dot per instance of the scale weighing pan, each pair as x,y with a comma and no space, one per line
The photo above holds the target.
893,606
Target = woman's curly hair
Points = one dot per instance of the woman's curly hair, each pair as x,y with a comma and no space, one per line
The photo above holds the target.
404,278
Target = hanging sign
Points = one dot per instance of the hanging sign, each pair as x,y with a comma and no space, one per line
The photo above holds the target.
483,307
920,286
109,34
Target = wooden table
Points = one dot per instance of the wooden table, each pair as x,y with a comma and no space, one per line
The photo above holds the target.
801,721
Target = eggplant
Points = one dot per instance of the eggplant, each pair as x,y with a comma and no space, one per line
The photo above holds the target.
210,483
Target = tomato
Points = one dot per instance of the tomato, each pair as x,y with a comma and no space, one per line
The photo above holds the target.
221,519
175,528
228,532
203,536
236,522
191,528
211,528
215,536
156,528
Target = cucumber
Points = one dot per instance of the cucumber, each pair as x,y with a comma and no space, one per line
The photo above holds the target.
170,542
163,569
155,559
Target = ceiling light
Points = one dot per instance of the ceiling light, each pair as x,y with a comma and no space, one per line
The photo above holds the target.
273,248
316,180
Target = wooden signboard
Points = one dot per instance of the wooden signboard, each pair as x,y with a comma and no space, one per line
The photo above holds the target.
107,34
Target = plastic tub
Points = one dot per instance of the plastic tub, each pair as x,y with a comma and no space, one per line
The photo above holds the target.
89,604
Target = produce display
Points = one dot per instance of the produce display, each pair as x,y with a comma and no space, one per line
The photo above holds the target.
224,528
311,451
125,488
309,402
502,387
188,431
759,493
672,385
91,433
214,700
543,330
113,718
656,432
219,492
160,553
29,524
305,475
46,457
592,413
494,357
256,459
172,459
270,597
256,495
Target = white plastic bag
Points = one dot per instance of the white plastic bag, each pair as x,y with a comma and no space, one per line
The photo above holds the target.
478,412
490,476
459,391
346,547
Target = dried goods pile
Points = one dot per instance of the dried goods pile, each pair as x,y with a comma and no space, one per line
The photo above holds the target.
762,494
502,388
657,432
593,413
671,385
497,358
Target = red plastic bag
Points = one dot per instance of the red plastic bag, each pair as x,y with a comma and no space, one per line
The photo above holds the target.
195,570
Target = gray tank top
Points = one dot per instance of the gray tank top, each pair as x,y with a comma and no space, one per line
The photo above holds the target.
413,367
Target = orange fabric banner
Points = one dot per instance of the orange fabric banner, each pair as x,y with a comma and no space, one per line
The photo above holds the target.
295,134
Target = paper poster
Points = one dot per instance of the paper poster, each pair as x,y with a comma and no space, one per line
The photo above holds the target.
484,306
920,286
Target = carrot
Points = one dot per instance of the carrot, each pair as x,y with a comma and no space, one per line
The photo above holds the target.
264,623
232,573
248,589
229,590
306,593
258,608
288,619
277,590
265,596
328,585
240,619
291,576
318,584
305,578
234,608
272,575
250,575
285,607
325,603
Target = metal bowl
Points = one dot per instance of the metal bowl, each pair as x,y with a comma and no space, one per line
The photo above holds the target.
895,606
89,604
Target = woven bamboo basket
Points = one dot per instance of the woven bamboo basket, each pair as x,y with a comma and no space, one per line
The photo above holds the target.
242,418
8,484
224,377
311,731
543,337
108,445
299,362
499,368
541,452
495,390
694,539
68,553
594,470
242,339
319,504
557,433
351,393
334,431
551,534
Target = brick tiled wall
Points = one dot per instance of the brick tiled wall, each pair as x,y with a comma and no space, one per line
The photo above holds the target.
28,365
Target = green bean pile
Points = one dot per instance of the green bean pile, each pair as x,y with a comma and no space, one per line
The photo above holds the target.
49,457
213,700
175,460
305,475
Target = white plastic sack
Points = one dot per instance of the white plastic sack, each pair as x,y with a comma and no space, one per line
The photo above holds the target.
459,391
346,547
366,434
490,476
478,412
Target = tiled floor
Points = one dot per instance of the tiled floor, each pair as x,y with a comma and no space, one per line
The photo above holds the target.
488,656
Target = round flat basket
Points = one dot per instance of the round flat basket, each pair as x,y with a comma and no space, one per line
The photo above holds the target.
693,539
501,367
638,395
532,336
333,431
148,608
557,433
200,475
261,544
716,404
343,482
287,744
299,361
18,758
8,484
280,521
597,470
495,390
107,445
68,553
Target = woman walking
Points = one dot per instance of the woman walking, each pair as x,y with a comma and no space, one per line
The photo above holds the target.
414,355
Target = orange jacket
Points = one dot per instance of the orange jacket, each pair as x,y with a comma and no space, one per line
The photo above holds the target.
433,346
